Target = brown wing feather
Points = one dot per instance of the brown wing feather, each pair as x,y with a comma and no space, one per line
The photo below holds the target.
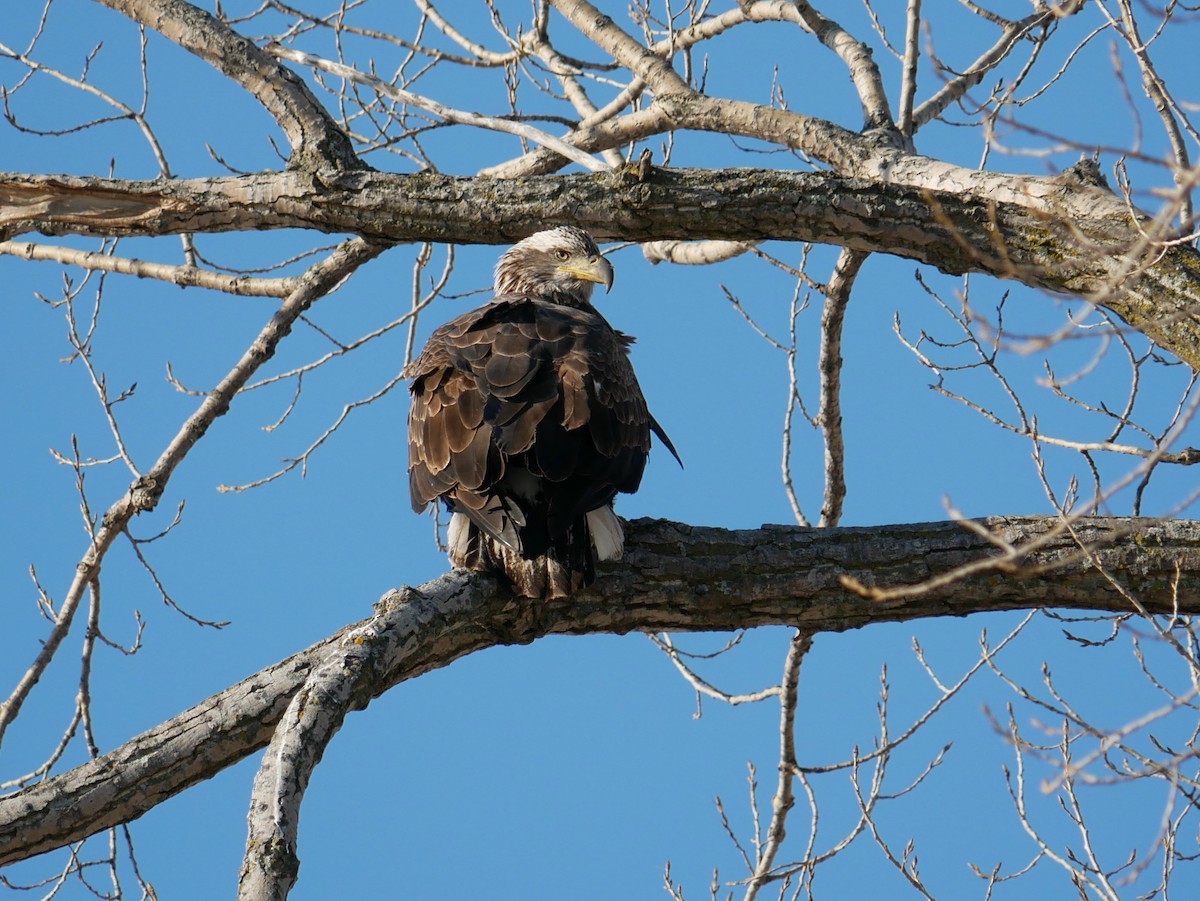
527,419
522,384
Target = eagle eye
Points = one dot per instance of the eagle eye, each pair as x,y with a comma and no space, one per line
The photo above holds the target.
561,254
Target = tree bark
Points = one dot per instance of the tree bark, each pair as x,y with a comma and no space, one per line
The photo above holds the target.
674,577
316,140
1057,234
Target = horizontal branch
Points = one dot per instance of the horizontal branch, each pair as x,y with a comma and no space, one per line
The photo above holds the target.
675,577
184,276
1055,234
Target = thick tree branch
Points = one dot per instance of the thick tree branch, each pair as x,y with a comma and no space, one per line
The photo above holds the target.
674,578
316,140
1056,234
689,109
314,716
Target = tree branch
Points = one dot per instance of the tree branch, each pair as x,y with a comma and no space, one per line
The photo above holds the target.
448,114
781,803
316,140
144,492
314,716
184,276
1056,234
675,577
829,367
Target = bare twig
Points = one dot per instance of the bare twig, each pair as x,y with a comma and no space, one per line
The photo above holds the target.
462,117
143,494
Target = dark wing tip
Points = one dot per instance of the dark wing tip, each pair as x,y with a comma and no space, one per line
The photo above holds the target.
662,436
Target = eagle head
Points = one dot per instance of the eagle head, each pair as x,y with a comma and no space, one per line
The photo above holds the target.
559,264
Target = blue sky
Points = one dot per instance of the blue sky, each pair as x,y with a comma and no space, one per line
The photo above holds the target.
575,765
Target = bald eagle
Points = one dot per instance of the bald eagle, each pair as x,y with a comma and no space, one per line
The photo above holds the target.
527,420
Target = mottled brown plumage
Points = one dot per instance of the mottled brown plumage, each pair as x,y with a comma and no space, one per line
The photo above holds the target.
527,420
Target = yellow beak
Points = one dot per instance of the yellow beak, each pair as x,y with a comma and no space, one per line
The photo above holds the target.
598,270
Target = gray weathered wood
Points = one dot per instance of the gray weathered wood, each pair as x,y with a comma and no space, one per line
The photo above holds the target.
1057,234
675,577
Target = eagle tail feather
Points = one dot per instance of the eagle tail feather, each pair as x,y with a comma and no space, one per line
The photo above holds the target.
568,564
464,543
607,535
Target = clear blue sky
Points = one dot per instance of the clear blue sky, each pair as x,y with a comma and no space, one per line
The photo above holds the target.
575,766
